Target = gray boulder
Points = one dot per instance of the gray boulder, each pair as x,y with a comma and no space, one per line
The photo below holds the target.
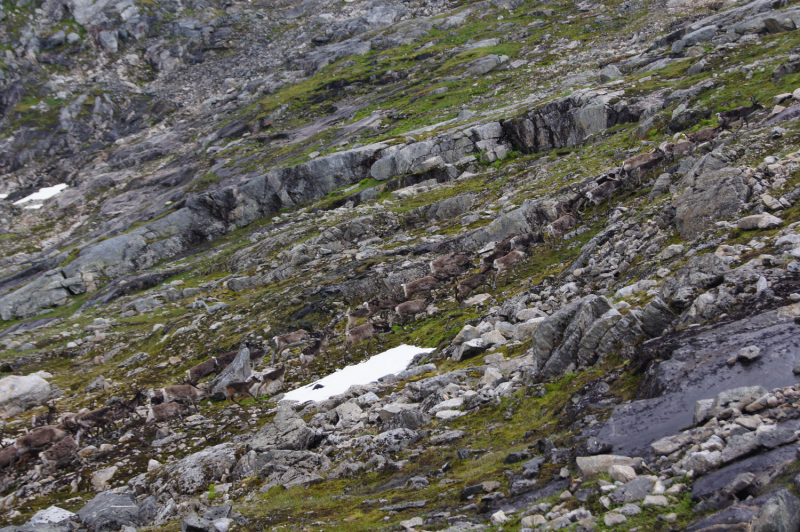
407,419
287,431
110,511
395,440
484,65
717,195
780,514
18,394
656,317
196,471
237,371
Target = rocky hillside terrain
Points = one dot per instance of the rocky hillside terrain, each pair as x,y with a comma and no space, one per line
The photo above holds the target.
409,266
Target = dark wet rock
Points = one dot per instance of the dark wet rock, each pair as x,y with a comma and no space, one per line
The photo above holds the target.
764,466
780,513
694,367
517,456
528,498
592,447
770,439
531,467
657,317
699,273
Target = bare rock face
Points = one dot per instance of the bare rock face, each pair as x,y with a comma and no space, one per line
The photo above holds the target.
288,431
193,473
237,371
712,196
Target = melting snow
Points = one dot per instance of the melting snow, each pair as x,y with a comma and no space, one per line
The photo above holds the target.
43,194
389,362
3,196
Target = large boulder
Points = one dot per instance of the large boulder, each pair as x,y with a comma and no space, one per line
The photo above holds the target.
698,274
18,394
50,290
712,196
196,471
780,514
287,431
237,371
109,511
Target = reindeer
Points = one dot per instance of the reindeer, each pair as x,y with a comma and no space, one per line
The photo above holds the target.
273,376
420,286
234,389
603,190
556,229
411,308
450,265
289,340
360,313
743,112
165,412
318,347
572,205
643,162
524,241
45,419
487,262
202,370
182,393
368,331
383,306
504,263
98,419
473,282
60,454
704,135
38,440
8,455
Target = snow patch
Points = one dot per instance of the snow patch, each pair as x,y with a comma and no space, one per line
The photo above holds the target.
3,196
43,194
389,362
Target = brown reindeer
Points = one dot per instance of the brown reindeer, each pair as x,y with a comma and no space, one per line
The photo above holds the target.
743,112
362,312
572,205
316,348
704,135
60,454
235,389
642,163
8,456
165,412
383,307
420,286
524,241
289,340
202,370
450,265
487,262
99,419
603,190
411,308
273,376
367,332
473,282
504,263
558,228
38,440
48,418
183,393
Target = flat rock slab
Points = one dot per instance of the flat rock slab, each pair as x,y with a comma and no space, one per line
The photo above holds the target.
404,506
697,369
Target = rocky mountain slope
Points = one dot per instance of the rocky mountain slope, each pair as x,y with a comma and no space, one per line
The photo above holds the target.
554,248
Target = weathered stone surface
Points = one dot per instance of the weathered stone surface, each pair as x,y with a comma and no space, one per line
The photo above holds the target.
711,196
109,511
193,473
780,514
591,465
395,440
237,371
287,431
18,394
635,490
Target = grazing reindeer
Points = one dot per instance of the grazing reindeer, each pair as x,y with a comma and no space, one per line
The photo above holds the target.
8,455
603,190
45,419
98,419
383,306
60,454
505,244
273,376
165,412
360,313
183,393
367,332
743,112
556,229
420,286
473,282
38,440
289,340
202,370
504,263
524,241
234,389
643,162
411,308
318,347
572,205
487,262
450,265
704,135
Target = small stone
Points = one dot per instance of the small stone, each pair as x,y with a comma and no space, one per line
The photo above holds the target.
565,496
749,353
614,519
498,518
622,473
655,500
152,465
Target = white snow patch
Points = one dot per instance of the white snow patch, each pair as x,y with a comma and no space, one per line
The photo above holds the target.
33,206
389,362
3,196
43,194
